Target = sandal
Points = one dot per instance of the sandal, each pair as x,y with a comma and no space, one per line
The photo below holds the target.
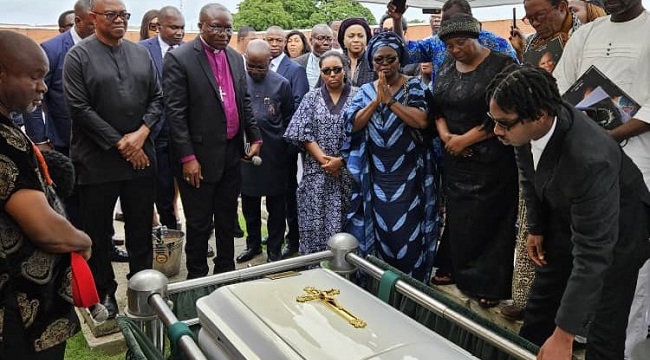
487,303
442,279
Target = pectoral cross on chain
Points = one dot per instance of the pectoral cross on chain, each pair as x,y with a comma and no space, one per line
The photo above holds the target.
222,94
327,297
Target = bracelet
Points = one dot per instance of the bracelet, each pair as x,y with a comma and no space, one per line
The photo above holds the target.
391,102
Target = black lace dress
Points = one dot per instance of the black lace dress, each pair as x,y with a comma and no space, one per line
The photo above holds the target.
481,190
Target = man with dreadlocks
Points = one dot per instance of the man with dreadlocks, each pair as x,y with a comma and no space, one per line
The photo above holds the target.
587,204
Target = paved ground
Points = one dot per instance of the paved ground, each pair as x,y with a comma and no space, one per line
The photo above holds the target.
114,343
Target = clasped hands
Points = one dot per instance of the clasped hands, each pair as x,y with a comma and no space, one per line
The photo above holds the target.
383,90
130,147
332,165
456,144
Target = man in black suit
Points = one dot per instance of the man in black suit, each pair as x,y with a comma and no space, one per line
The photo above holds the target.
297,76
588,219
209,113
170,36
272,106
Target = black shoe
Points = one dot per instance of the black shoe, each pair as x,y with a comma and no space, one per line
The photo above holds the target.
118,255
265,240
110,304
248,254
288,252
210,251
271,257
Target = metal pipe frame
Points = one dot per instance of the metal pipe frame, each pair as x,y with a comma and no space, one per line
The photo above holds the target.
443,310
251,272
192,350
186,343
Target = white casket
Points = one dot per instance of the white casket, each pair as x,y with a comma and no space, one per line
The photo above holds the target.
262,319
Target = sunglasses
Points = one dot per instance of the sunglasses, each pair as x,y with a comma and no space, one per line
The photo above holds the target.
154,26
385,60
329,71
505,125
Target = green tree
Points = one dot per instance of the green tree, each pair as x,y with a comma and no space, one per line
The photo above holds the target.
297,14
260,14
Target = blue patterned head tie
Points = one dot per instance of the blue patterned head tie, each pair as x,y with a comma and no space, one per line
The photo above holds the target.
386,39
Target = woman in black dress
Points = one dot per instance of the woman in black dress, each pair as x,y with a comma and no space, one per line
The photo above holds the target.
479,174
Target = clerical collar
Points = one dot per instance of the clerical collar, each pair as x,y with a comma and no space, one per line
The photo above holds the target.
208,47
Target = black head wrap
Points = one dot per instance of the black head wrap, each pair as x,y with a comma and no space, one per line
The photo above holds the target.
349,22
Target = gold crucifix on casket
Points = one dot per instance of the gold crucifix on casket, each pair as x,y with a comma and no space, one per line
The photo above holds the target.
327,297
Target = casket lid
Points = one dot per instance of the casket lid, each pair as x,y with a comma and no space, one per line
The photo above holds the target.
261,319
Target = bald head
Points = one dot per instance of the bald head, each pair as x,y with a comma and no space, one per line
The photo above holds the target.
169,12
17,49
82,6
210,10
83,23
23,66
321,39
258,58
258,47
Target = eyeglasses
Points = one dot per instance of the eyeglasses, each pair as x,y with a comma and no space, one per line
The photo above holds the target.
216,29
111,16
539,16
384,60
329,71
154,26
322,38
506,126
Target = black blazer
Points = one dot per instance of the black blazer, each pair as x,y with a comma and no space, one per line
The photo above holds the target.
194,111
583,188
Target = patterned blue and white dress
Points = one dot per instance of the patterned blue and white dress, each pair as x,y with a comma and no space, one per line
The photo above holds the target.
321,196
393,211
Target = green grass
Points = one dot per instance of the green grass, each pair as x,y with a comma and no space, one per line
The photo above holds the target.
76,349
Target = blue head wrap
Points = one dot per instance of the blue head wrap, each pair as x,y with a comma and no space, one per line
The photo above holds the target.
386,39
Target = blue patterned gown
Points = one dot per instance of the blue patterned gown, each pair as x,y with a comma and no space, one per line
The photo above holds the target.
321,196
393,211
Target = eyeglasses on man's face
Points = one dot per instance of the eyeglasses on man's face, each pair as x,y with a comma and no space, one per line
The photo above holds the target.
112,15
329,71
323,38
216,29
506,125
539,16
380,60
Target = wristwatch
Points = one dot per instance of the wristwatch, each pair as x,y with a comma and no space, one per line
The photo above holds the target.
391,102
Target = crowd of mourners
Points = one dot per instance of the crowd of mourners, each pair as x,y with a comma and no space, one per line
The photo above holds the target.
451,158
